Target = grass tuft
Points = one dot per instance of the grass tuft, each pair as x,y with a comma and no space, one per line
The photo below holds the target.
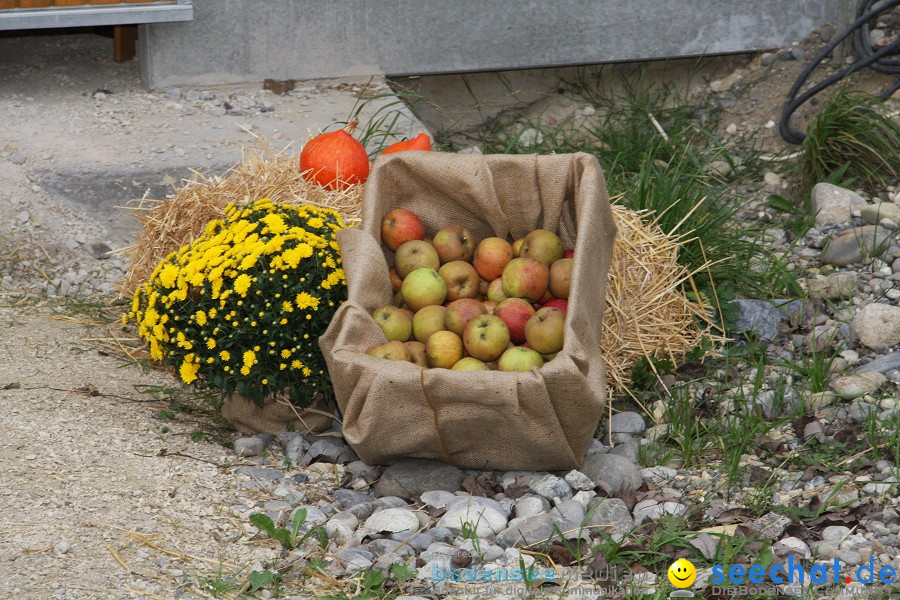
853,132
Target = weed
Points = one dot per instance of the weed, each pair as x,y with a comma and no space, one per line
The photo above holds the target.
853,133
815,366
289,538
258,580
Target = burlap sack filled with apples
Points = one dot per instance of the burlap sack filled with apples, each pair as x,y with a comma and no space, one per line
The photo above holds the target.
542,420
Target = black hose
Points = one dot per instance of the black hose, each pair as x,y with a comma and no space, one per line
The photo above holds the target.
878,60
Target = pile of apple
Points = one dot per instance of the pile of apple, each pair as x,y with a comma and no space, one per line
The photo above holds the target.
473,307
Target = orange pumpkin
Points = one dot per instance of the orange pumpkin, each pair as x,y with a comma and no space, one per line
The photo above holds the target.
335,160
420,142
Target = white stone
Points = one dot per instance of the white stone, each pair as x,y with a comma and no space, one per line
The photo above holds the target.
833,204
878,325
393,520
482,516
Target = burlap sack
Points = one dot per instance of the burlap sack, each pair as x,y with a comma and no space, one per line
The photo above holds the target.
276,414
543,420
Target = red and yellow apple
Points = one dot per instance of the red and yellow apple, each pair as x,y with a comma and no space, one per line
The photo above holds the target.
454,242
542,245
491,256
545,331
400,226
416,352
393,350
495,291
525,278
461,278
561,277
515,312
470,364
443,349
486,337
413,255
394,322
427,320
520,359
460,312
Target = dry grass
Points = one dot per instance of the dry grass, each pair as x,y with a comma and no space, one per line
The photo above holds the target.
648,314
171,223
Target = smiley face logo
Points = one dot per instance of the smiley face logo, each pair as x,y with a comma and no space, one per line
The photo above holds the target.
682,573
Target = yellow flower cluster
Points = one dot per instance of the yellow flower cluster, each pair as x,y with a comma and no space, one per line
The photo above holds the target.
242,306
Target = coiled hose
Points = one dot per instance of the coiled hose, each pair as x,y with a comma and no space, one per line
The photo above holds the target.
880,60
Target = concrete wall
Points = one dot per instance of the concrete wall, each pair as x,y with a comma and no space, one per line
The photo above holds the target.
233,41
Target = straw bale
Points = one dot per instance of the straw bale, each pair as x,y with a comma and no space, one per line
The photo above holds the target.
648,314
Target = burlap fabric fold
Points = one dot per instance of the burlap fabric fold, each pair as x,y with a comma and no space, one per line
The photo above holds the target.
542,420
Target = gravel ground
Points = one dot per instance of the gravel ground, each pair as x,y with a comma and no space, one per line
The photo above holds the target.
90,466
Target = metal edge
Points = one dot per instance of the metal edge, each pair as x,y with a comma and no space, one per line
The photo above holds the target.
87,16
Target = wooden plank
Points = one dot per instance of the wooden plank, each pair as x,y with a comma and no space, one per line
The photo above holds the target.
35,3
9,4
124,42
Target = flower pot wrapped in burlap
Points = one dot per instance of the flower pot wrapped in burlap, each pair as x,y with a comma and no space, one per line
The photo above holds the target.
276,414
542,420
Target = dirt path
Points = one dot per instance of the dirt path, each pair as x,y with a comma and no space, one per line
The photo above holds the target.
82,474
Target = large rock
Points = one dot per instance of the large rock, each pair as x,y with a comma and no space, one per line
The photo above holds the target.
531,530
833,204
615,474
855,245
833,287
878,325
411,478
762,317
874,213
393,521
627,422
854,386
882,364
610,515
484,515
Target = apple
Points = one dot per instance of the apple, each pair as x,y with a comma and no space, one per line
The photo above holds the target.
396,282
547,357
461,278
569,253
545,330
517,247
519,359
542,245
443,349
423,287
562,305
491,255
454,242
428,320
515,312
525,278
460,312
483,288
495,291
400,226
394,322
393,350
416,353
490,305
413,255
547,297
470,364
486,337
561,277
